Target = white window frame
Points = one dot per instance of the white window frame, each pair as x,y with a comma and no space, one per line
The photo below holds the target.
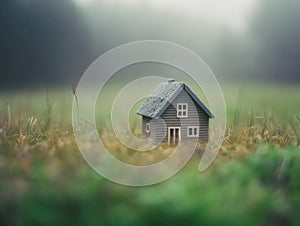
182,110
147,127
193,134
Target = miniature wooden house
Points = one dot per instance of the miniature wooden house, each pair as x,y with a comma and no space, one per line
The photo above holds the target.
185,116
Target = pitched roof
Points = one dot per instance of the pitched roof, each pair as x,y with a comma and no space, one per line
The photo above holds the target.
163,95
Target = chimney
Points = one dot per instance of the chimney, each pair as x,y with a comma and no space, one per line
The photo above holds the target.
170,80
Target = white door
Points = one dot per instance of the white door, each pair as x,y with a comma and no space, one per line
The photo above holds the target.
174,135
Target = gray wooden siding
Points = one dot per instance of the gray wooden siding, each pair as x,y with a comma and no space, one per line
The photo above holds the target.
144,121
170,118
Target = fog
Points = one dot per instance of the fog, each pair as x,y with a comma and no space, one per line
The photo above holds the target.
51,43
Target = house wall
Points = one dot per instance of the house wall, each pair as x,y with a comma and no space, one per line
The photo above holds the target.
170,118
144,121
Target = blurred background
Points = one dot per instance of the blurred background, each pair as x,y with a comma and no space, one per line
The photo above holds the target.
252,46
51,43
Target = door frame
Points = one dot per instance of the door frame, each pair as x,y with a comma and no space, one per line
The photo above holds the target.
179,133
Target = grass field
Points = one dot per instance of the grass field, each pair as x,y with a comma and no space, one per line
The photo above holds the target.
254,180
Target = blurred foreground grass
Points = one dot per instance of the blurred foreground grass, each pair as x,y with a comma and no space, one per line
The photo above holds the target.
254,181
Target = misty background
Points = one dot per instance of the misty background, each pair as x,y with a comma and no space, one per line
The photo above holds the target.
51,43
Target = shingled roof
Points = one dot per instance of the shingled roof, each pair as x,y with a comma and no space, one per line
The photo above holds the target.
163,95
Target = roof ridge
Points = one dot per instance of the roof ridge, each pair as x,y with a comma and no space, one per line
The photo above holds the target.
153,108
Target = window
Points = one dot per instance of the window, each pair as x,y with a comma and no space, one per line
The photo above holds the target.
193,131
148,127
182,110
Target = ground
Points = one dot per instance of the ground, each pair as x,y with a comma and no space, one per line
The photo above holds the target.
254,180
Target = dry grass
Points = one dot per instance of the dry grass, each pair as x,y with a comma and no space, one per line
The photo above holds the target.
259,130
24,138
50,131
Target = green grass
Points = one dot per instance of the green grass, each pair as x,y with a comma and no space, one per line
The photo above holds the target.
254,180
